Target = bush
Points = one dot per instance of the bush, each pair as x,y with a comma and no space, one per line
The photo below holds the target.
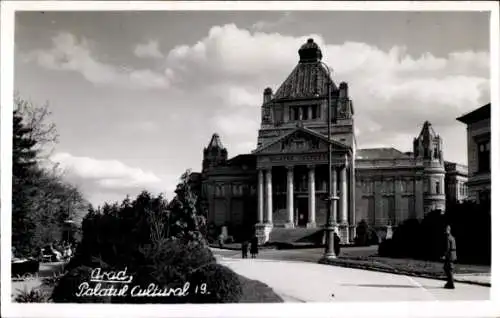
214,283
167,264
425,240
68,287
186,256
386,248
34,295
365,235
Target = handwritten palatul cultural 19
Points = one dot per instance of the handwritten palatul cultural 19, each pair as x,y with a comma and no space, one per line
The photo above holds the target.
100,277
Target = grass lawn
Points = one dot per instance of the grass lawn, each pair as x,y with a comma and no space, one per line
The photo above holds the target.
368,259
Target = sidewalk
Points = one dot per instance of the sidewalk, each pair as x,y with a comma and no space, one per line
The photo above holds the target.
415,269
479,279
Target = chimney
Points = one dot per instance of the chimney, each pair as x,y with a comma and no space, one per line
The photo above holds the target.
268,94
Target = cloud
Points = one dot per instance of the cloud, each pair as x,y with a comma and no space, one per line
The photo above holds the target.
71,54
266,25
393,92
148,50
106,174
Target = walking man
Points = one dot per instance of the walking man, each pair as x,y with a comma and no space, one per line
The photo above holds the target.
450,256
244,249
336,243
254,246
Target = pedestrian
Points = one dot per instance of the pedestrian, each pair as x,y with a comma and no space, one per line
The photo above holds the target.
254,247
336,243
244,249
450,256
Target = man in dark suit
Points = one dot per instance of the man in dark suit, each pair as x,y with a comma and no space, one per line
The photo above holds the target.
450,256
336,243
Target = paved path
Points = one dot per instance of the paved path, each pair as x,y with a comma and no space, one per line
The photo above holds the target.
311,282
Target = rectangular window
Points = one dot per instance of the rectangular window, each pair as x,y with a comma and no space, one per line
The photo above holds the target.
438,188
483,150
295,113
315,112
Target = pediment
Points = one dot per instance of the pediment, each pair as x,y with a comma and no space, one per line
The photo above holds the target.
299,141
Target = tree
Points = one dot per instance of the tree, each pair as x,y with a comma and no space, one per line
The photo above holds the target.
24,174
41,199
36,120
186,222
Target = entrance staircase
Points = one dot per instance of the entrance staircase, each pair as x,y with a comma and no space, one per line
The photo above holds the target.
296,236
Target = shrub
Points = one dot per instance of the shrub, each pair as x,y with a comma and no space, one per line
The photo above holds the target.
365,235
186,256
34,295
386,248
168,264
68,287
214,283
361,233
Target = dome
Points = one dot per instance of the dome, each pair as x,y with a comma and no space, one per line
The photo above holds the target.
310,52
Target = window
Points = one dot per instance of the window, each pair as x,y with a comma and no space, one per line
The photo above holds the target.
483,149
438,188
307,112
315,111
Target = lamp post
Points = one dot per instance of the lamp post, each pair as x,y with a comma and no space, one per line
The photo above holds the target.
332,197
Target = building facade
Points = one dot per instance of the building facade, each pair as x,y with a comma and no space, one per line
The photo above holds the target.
478,153
283,182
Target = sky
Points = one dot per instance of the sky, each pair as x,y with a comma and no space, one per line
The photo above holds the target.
137,95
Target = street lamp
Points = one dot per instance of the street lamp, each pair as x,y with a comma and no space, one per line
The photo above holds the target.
332,197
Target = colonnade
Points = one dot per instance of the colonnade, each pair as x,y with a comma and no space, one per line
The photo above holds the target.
265,197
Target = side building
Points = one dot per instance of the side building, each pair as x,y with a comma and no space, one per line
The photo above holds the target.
478,153
283,182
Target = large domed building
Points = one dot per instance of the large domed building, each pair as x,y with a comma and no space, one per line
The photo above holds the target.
282,184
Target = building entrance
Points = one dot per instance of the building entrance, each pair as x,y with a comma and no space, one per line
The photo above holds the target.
302,215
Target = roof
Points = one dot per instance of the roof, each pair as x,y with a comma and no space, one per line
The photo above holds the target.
307,131
240,160
309,79
476,115
380,153
427,131
215,142
453,167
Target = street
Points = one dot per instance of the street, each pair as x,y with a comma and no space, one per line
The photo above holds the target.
299,281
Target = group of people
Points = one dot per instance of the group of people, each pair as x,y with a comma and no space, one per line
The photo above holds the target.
254,247
58,252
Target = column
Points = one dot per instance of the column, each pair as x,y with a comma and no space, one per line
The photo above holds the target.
260,194
344,229
398,200
343,195
289,196
269,196
334,191
312,198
